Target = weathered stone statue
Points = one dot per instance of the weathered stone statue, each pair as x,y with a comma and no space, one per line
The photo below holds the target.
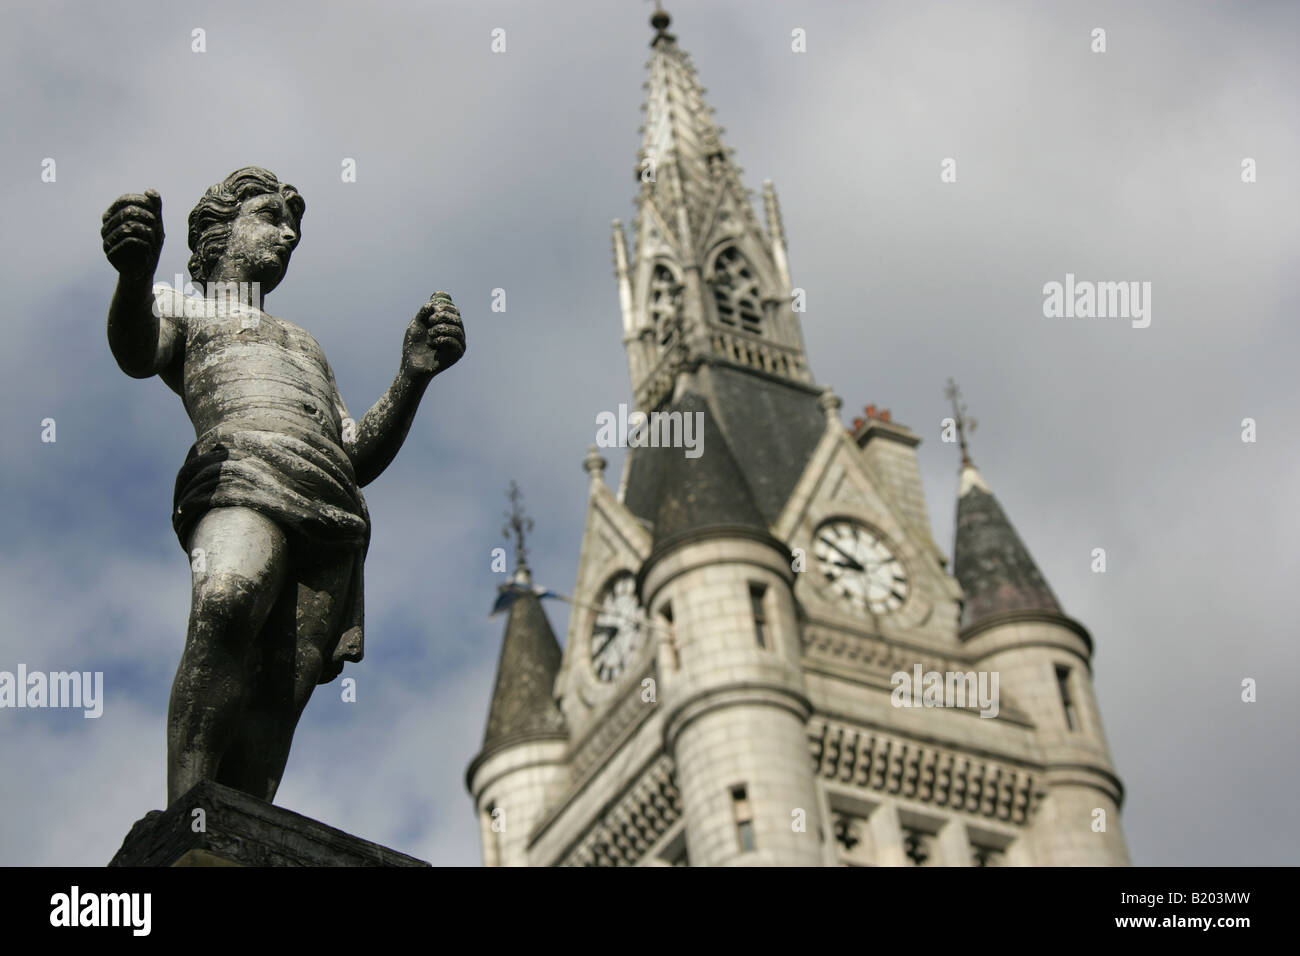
267,504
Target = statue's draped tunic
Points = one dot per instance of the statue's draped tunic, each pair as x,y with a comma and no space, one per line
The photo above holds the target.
265,409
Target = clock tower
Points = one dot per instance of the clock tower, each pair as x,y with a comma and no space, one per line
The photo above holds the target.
745,615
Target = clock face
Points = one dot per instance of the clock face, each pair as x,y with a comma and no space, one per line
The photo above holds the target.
859,567
617,632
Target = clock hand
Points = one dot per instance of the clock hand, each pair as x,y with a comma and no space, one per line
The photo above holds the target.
609,632
854,562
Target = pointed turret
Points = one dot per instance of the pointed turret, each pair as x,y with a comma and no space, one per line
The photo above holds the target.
525,745
722,585
991,562
523,705
526,739
989,559
1012,625
522,701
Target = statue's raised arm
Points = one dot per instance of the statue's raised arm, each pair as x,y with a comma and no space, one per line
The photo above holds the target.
434,341
142,341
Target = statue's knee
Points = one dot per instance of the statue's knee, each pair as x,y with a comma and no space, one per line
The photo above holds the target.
227,607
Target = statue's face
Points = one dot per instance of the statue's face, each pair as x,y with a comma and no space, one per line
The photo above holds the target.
262,238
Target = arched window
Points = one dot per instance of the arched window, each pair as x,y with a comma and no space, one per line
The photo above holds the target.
665,304
735,289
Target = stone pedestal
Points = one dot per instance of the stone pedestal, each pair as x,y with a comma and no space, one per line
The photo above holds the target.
235,829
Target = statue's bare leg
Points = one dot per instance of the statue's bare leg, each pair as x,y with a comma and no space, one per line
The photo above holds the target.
289,656
244,561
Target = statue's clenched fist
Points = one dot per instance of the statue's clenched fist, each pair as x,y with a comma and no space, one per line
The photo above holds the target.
435,339
133,234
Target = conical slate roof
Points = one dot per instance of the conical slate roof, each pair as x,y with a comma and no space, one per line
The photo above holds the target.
708,491
522,701
989,559
771,429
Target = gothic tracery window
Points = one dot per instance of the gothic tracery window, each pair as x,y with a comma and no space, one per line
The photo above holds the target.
735,290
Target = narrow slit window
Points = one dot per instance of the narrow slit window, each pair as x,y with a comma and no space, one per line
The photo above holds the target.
670,634
492,846
756,603
744,819
1067,701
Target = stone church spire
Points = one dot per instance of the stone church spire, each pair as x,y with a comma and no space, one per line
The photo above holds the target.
705,281
683,165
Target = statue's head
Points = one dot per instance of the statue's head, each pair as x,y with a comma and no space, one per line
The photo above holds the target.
245,228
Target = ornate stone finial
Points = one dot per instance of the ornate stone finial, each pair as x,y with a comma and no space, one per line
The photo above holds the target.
660,19
594,464
518,524
623,275
830,403
772,212
964,422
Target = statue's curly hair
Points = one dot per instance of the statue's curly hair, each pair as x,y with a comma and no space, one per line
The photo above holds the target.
210,219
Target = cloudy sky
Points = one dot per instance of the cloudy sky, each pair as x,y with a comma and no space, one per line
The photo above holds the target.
479,171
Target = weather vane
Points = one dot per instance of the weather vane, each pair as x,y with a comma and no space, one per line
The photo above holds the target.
518,524
965,424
